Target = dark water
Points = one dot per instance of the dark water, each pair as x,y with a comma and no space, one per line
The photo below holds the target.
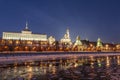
71,68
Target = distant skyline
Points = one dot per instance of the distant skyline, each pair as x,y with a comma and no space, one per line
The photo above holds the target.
91,19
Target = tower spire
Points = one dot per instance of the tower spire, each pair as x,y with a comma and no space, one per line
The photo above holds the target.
67,32
26,27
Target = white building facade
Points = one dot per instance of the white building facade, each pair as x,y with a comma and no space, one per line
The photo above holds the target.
66,38
25,34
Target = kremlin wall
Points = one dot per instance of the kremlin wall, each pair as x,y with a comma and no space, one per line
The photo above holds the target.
27,41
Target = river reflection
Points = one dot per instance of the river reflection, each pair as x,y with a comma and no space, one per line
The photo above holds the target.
51,69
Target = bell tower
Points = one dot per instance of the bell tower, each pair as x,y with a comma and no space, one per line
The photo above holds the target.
68,34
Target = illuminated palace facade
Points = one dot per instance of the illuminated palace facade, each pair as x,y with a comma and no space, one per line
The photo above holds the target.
27,41
25,34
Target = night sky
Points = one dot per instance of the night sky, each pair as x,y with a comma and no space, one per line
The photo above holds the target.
89,19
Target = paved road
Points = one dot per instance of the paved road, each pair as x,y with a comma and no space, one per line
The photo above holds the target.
11,57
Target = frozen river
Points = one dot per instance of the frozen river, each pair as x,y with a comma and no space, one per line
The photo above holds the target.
51,66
